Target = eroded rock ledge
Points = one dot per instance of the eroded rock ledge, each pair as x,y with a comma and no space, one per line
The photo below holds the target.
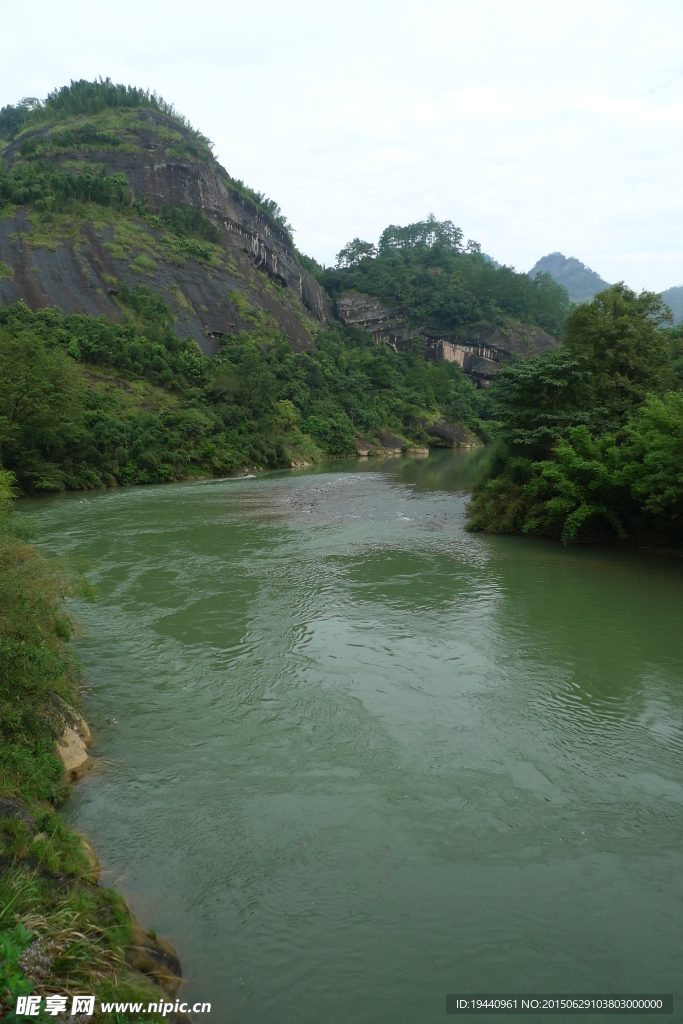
481,349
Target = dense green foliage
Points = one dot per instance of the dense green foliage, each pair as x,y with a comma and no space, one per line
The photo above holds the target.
169,411
424,270
187,222
591,434
85,97
48,188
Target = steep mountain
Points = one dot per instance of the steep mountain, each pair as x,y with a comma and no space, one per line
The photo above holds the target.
581,282
155,208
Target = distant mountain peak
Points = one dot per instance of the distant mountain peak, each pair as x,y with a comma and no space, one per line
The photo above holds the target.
581,282
673,297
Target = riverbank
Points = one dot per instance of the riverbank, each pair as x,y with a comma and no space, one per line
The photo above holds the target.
60,932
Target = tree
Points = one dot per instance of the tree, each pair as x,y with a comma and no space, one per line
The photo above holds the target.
619,334
593,431
653,457
352,254
427,233
38,391
537,400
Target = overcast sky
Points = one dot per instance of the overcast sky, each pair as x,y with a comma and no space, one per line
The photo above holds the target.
533,126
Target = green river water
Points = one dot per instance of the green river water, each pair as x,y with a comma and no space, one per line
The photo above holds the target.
352,758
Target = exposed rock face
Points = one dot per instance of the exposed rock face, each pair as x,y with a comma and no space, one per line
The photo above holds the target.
382,444
450,435
72,746
72,752
391,443
73,272
354,308
479,348
155,957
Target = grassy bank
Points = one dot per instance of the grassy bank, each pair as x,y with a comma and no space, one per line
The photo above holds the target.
59,932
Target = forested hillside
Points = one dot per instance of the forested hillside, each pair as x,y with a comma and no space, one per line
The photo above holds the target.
426,270
87,402
673,297
581,282
158,322
591,435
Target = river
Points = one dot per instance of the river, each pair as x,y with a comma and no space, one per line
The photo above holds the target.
353,758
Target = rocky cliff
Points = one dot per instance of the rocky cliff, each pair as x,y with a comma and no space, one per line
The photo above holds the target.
479,348
249,276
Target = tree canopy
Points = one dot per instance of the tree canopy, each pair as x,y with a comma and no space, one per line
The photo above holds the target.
85,401
424,269
84,97
591,434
